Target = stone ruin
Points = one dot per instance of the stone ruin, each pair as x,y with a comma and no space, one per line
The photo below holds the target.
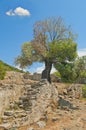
37,99
34,101
32,106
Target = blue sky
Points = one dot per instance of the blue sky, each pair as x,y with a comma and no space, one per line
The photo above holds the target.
18,16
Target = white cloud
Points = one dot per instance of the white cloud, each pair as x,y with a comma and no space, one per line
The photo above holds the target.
10,13
25,70
18,11
53,70
40,69
82,52
21,11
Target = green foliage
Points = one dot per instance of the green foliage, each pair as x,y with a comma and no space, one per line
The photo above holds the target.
52,40
74,71
28,55
80,69
53,43
5,67
63,50
84,91
66,71
57,74
2,72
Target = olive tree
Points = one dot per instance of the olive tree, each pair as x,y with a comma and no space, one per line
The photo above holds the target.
52,43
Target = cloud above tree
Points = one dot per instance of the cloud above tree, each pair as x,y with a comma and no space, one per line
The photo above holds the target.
19,11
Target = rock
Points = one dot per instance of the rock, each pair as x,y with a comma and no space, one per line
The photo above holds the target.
31,128
64,103
25,102
5,126
65,91
75,91
34,102
55,119
20,114
41,124
10,90
2,128
48,96
5,117
84,119
8,113
38,98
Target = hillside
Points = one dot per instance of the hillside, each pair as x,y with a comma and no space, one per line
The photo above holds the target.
5,67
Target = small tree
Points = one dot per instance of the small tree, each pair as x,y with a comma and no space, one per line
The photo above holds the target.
52,43
80,69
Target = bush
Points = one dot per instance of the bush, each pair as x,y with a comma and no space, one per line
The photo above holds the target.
84,91
56,77
57,74
67,72
2,72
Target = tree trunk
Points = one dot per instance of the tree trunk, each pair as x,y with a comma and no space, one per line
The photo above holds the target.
47,70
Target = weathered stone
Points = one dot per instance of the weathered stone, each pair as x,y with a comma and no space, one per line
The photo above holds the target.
65,91
39,103
38,99
64,104
5,126
55,119
41,124
31,128
75,91
11,91
8,113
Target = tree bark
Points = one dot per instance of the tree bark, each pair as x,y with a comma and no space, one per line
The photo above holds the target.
47,70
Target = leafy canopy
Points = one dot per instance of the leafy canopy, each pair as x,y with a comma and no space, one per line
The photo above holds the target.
52,41
80,67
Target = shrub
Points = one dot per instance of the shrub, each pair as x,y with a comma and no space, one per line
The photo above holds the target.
57,74
84,91
2,72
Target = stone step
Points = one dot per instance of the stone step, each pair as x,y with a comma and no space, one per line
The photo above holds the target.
8,113
5,126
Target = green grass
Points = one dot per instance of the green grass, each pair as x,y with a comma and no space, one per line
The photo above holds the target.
84,91
5,67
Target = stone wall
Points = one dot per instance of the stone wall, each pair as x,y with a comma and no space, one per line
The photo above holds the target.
34,76
33,102
37,99
11,88
37,77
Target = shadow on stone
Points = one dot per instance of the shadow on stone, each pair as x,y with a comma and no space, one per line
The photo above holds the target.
64,104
